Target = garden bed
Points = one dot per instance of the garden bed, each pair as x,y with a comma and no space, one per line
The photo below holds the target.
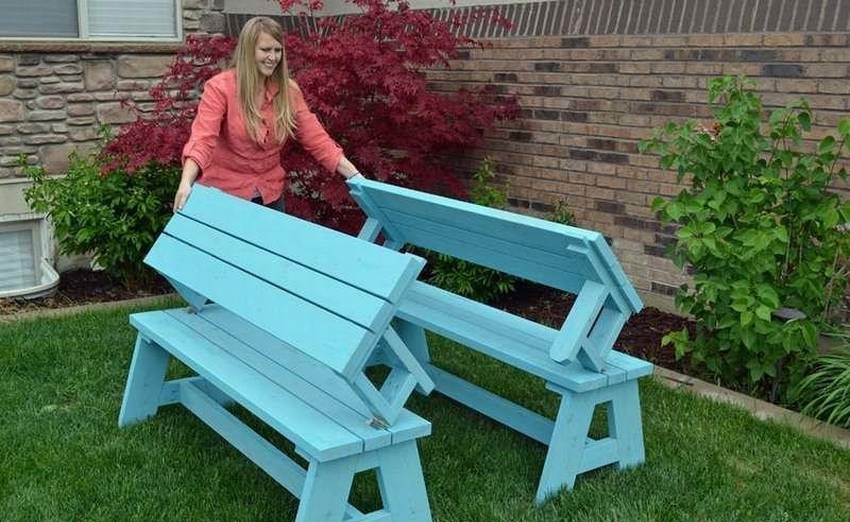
640,337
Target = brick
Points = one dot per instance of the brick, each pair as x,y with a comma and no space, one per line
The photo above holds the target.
667,96
833,86
575,42
547,67
784,40
783,70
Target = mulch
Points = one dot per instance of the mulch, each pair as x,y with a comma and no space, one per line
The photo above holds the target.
640,337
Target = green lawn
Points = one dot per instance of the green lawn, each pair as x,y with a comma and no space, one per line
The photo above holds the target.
63,457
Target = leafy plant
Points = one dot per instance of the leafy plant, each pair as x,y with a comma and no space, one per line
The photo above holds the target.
759,228
562,214
825,391
365,79
469,279
113,217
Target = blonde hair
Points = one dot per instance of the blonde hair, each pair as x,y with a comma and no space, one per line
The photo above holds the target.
250,81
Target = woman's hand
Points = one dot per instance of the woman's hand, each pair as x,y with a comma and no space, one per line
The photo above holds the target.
182,195
190,173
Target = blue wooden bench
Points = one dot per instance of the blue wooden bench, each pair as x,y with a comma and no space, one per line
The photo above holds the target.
284,315
576,361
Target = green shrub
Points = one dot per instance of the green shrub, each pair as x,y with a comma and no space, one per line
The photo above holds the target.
825,392
465,278
758,227
562,214
114,217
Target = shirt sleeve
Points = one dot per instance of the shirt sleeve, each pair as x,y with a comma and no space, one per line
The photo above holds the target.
207,125
311,135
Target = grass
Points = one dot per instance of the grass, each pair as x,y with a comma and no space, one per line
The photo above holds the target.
64,459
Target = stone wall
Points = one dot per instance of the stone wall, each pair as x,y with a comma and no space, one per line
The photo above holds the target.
55,96
587,101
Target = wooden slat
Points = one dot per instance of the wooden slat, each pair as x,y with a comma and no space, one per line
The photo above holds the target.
274,405
304,282
361,264
509,338
389,204
480,245
406,427
294,377
447,321
326,337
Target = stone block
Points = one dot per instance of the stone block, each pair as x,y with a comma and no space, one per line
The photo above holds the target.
213,23
134,66
113,113
47,115
61,88
49,80
80,97
34,70
27,83
7,63
7,129
33,128
54,157
41,139
60,128
25,94
80,109
50,102
61,58
83,120
11,110
68,68
83,134
29,59
7,84
99,76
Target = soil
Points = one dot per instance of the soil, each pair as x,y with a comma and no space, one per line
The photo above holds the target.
640,337
79,287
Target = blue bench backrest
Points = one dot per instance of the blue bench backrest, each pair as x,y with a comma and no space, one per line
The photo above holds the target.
326,294
568,258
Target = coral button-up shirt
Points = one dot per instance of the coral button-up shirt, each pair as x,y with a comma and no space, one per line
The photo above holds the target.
230,160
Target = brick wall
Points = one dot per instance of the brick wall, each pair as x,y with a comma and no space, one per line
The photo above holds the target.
588,100
54,96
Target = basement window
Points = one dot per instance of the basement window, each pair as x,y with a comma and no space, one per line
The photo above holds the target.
24,271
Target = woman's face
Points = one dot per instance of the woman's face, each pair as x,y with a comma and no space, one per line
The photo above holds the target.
267,53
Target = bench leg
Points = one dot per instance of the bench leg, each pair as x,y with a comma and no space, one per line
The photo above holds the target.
324,497
624,424
402,483
571,452
144,382
569,437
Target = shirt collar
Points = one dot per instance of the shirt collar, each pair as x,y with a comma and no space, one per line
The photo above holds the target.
271,90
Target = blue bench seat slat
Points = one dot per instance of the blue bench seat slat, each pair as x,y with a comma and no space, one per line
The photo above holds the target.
365,268
307,427
286,316
407,427
367,310
448,320
288,377
509,338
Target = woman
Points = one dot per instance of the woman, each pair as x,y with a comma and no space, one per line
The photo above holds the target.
245,116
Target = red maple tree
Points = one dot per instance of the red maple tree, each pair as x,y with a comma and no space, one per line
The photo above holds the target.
364,77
